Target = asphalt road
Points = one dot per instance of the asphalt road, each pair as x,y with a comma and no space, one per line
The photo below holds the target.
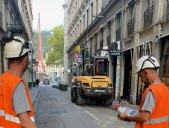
53,109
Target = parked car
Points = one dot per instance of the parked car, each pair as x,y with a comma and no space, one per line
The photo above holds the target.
56,84
46,81
57,78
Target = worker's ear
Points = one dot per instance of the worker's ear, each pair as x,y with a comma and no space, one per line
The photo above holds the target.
25,58
147,72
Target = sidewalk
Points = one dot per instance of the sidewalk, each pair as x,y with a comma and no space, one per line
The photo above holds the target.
33,92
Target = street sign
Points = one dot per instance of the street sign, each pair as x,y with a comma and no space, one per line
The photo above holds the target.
115,52
80,58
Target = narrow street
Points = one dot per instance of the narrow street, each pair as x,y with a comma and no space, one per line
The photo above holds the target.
54,109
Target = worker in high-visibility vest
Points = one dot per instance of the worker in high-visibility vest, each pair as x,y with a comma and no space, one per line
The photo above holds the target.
154,106
16,110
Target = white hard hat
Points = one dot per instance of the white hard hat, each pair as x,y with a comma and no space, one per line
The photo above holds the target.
147,62
16,48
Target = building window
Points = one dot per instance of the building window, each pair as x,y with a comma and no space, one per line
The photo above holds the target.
164,62
101,41
91,46
118,26
167,9
91,12
80,25
87,17
131,21
97,6
109,33
76,7
75,34
148,13
1,13
95,44
83,22
1,17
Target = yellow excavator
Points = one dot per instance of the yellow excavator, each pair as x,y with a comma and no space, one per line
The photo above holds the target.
94,84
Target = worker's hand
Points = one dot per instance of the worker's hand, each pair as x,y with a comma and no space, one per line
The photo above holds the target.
122,116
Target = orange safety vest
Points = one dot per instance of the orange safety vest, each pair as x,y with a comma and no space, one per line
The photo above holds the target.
160,115
8,117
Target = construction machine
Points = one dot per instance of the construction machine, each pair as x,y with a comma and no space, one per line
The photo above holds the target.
92,84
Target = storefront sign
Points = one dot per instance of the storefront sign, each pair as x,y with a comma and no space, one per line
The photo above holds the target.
114,49
80,58
78,48
115,52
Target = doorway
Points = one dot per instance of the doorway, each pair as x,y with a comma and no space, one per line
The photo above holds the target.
127,74
164,61
114,66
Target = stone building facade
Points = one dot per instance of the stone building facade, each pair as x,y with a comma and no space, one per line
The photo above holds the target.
15,12
126,30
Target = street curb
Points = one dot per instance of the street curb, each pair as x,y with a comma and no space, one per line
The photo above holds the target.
35,95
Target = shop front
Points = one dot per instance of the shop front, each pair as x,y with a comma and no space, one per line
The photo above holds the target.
164,60
128,56
142,50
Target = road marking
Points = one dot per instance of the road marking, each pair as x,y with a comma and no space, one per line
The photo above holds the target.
77,107
112,118
92,115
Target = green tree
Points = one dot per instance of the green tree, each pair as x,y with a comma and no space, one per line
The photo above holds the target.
55,57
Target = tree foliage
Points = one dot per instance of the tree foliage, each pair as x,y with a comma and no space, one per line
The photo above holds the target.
55,57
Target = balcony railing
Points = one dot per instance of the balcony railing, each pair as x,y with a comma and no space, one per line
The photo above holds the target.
118,34
108,39
148,16
130,26
0,19
101,44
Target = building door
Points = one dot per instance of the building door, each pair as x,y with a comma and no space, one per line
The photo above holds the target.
114,66
164,61
127,74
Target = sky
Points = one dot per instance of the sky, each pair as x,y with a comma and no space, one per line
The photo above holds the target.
51,13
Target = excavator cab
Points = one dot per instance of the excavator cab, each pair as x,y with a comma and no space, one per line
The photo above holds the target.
101,64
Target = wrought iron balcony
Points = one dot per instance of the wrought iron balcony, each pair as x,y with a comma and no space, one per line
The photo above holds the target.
130,26
108,39
101,44
118,34
0,19
148,16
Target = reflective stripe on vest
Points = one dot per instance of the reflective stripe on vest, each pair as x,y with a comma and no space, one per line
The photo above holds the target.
12,118
157,120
